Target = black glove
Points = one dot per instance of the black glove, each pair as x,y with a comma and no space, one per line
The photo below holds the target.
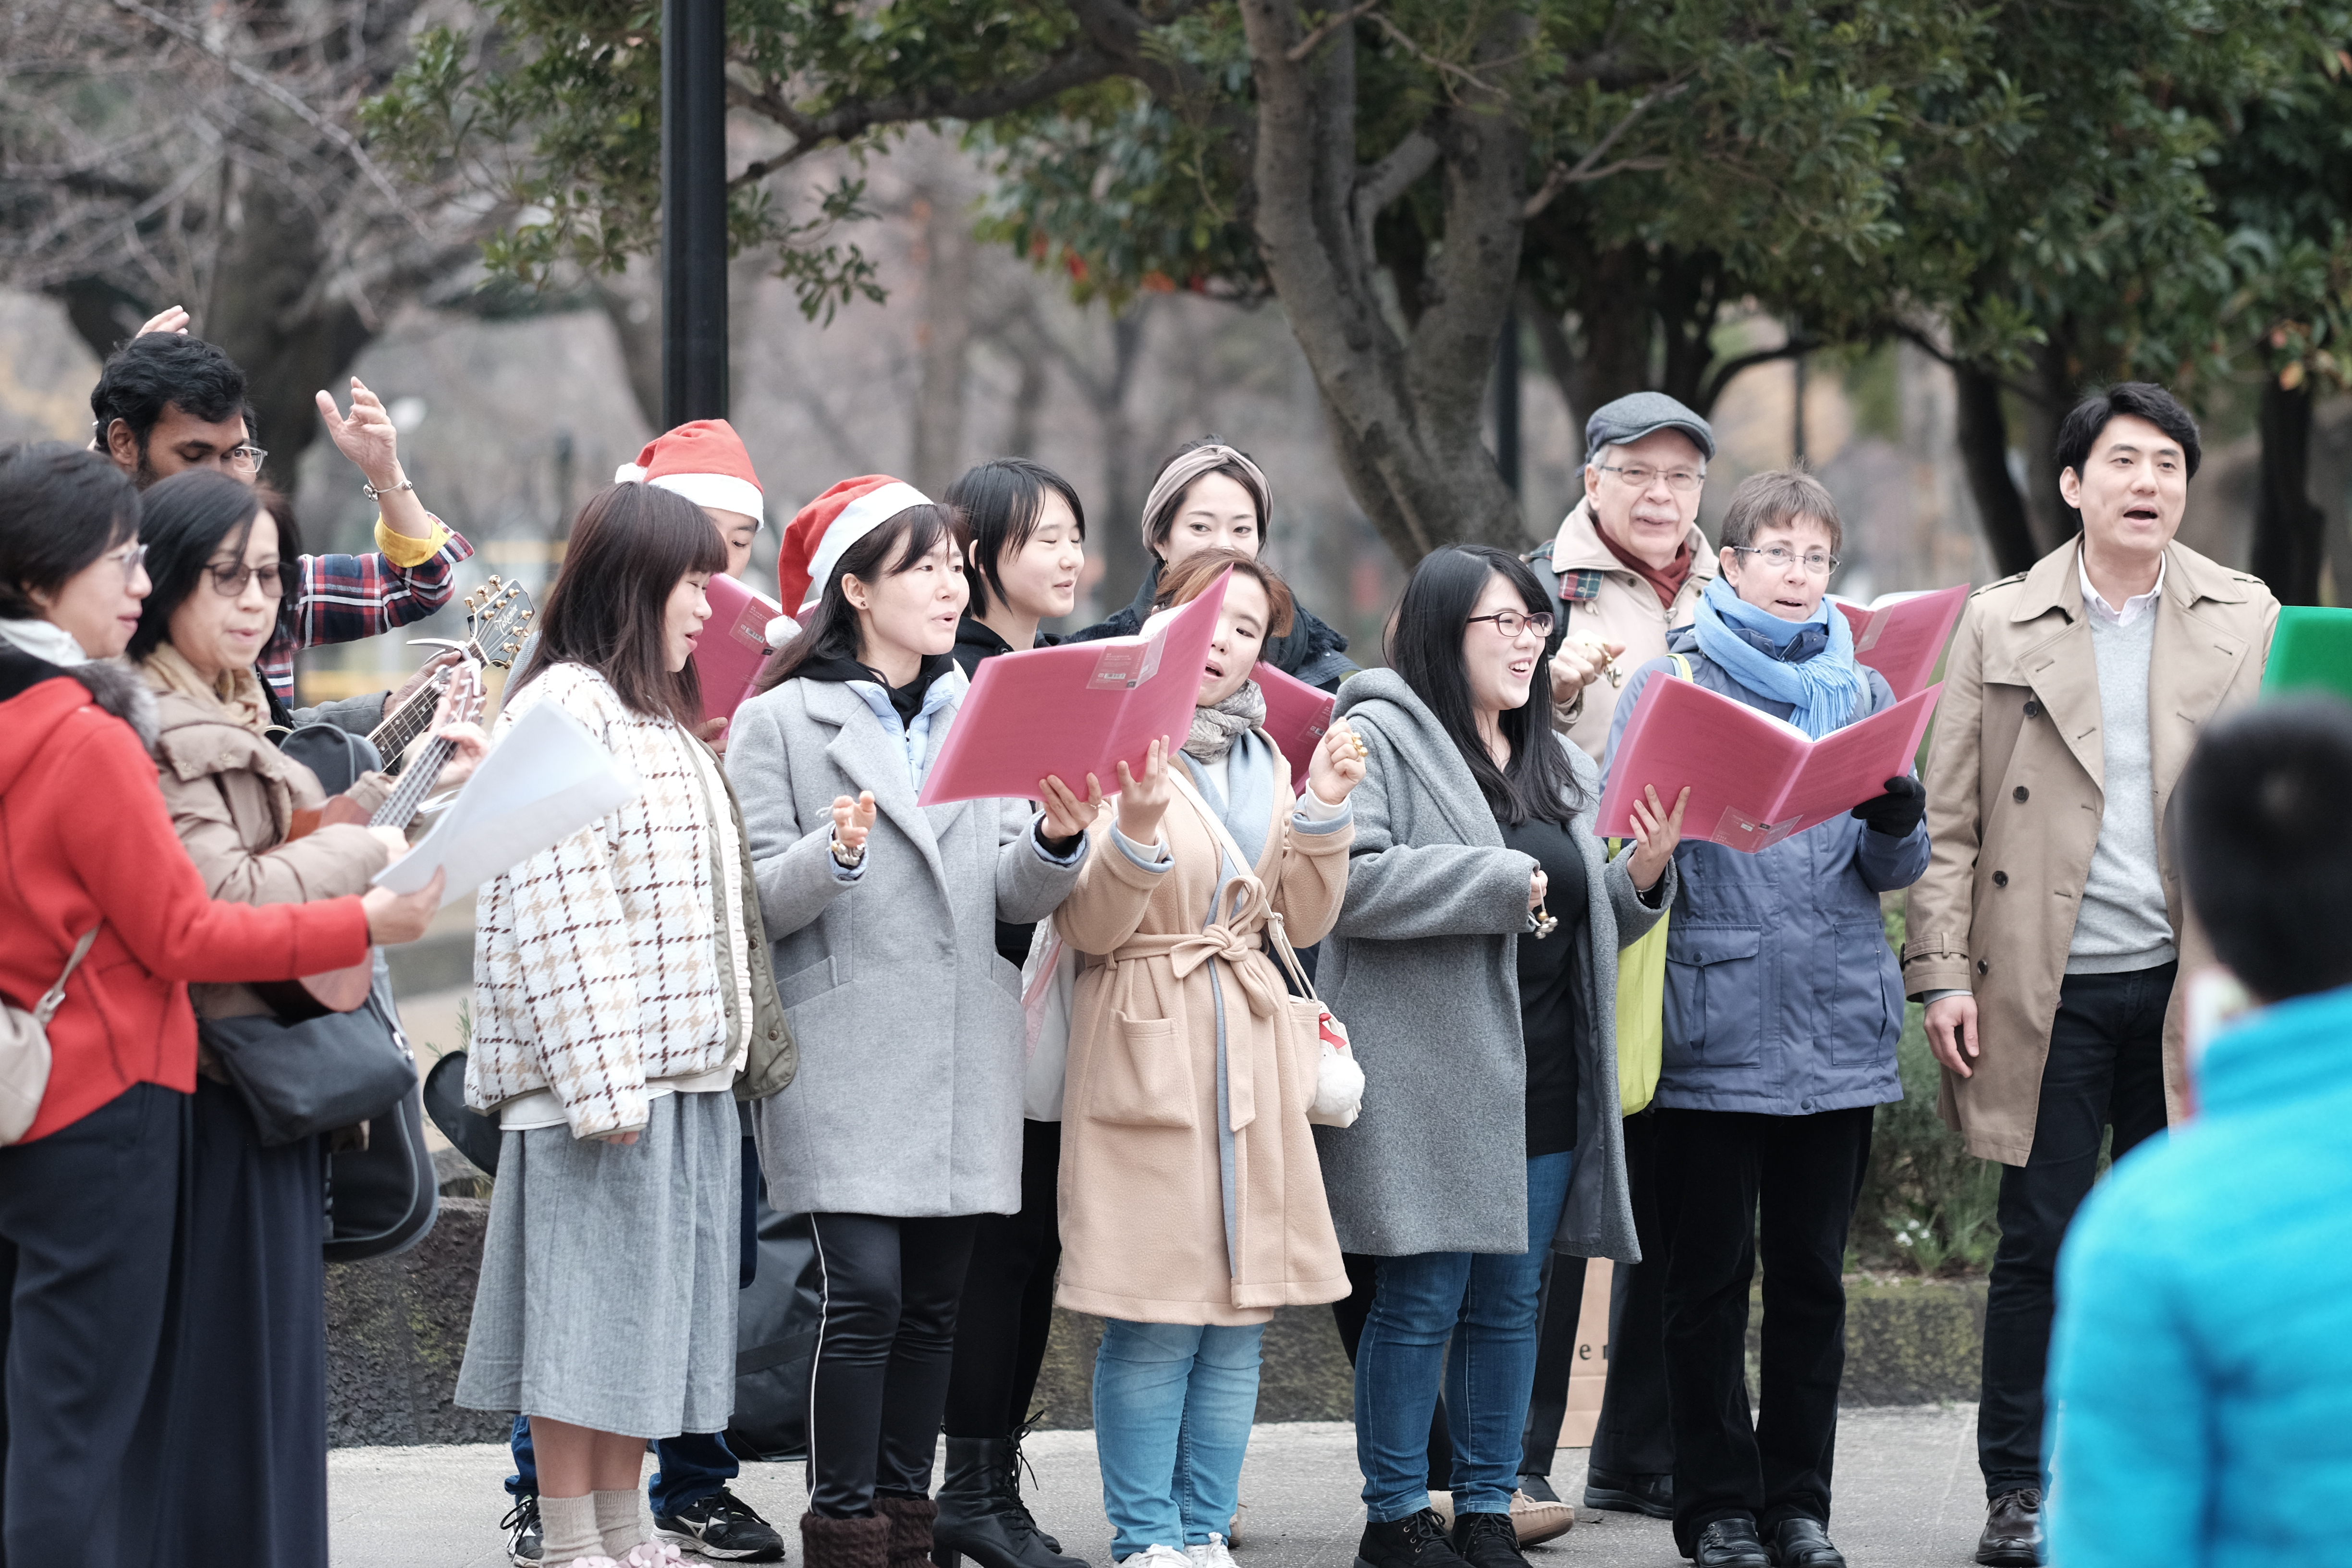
1896,812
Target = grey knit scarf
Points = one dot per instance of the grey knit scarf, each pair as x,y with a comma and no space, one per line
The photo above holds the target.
1213,729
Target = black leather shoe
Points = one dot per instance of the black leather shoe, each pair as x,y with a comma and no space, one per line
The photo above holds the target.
2012,1531
1653,1495
1803,1543
1416,1541
1731,1543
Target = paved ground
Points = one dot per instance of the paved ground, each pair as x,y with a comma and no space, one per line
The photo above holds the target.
1908,1494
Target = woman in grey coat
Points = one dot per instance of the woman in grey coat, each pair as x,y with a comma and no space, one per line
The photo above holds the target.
903,1124
1475,963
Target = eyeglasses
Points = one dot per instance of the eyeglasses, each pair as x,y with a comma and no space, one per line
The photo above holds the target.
132,557
1682,481
246,459
229,582
1510,623
1779,558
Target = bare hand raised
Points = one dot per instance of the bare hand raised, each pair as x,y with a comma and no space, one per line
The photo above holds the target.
1338,766
853,820
1067,816
1142,802
1656,834
395,918
1578,664
366,436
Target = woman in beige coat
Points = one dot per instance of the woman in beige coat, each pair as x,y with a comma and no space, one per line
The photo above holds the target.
1192,1200
247,1397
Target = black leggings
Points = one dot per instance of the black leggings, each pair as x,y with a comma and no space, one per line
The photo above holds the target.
1008,1300
889,1288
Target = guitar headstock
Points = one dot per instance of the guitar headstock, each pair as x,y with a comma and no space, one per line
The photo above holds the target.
466,695
497,619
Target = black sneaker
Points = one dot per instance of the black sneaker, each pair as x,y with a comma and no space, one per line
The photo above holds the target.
1487,1541
723,1526
1416,1541
523,1534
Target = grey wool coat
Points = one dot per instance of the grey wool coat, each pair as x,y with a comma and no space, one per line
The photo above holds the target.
1422,967
911,1037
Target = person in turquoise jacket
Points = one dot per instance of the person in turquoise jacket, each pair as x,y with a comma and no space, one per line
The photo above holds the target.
2201,1366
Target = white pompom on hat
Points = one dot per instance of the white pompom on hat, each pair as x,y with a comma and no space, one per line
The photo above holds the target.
705,461
822,531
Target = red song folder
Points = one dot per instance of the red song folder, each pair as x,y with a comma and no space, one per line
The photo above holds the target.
1902,635
1079,708
734,644
1754,779
1296,715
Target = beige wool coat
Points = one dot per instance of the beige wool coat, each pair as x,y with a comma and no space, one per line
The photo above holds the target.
2014,803
1604,600
1143,1226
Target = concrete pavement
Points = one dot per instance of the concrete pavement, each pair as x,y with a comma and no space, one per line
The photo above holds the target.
1907,1494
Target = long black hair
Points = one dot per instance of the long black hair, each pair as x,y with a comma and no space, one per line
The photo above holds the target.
1425,648
1002,502
893,547
185,520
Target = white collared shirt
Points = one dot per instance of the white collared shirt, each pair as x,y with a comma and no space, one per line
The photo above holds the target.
2135,607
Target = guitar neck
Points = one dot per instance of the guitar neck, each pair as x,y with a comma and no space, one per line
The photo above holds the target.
401,807
392,736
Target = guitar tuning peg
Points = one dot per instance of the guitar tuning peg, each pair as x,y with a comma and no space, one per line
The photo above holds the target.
514,647
494,584
526,614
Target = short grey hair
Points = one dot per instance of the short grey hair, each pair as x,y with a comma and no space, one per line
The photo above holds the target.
1774,499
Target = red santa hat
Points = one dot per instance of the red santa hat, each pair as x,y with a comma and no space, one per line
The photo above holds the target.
703,460
821,531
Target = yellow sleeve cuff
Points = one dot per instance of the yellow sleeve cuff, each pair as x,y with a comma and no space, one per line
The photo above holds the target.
404,551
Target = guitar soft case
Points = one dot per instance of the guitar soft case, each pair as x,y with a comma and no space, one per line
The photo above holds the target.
333,752
778,1318
383,1199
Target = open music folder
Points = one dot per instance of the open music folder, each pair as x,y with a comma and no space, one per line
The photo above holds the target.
1902,635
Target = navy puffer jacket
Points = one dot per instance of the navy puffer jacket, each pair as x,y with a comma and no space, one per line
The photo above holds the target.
1782,996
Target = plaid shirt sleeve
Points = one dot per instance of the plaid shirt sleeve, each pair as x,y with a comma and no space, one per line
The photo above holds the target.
343,598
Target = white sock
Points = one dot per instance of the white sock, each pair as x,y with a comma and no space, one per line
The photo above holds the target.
620,1521
569,1530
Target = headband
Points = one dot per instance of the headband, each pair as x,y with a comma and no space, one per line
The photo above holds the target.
1180,474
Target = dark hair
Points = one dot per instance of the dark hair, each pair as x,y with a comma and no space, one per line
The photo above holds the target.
160,368
1002,500
2264,846
1188,579
892,548
1156,525
627,549
187,520
1774,500
2079,431
1425,648
61,508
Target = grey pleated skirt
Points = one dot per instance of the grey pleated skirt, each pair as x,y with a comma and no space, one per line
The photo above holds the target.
607,1292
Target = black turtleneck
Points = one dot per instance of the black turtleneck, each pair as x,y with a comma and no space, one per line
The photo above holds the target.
907,699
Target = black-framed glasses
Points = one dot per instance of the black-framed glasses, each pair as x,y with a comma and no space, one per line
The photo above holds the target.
1780,557
1510,623
1682,481
229,582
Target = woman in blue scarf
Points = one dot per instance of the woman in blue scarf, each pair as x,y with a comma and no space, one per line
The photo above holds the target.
1784,1005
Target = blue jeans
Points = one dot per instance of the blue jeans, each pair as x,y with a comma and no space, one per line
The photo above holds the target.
1174,1404
686,1469
1481,1304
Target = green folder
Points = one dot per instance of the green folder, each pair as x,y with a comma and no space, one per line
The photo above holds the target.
2312,650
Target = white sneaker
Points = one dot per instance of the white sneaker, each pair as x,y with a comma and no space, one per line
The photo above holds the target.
1211,1554
1156,1556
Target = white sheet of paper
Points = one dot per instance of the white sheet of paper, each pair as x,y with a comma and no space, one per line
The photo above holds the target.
545,780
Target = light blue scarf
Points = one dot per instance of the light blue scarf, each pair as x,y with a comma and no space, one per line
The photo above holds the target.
1824,692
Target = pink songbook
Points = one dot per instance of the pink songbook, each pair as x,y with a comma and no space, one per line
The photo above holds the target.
1078,709
734,644
1296,715
1754,779
1902,635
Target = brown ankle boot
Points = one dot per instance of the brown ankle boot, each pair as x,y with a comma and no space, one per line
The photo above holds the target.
910,1528
845,1542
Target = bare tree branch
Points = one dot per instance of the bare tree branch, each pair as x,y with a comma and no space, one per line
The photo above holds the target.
1561,175
1328,26
1794,348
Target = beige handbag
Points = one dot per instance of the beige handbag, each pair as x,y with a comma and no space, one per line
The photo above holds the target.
25,1049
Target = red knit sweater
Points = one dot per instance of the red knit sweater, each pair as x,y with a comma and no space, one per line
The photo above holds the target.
85,840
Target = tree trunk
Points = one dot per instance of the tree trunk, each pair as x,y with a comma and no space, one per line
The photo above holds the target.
1117,533
1405,411
2053,521
2290,528
944,336
1984,453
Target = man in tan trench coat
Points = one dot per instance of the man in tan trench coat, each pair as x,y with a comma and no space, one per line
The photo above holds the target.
2048,937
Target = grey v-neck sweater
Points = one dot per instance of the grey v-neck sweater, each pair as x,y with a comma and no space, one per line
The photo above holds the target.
2123,924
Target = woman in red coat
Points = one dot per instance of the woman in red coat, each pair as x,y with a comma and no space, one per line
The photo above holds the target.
89,1193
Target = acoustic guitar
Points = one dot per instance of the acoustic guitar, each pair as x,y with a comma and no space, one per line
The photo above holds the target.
498,618
342,990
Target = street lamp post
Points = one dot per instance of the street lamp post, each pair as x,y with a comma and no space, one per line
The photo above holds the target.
694,210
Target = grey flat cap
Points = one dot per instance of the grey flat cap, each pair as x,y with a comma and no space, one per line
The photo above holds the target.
1640,414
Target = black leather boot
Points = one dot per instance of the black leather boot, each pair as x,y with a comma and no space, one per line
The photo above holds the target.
980,1516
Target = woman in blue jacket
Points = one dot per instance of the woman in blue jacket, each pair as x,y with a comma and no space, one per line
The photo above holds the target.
1784,1005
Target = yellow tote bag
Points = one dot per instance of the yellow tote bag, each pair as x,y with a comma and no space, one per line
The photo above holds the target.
1642,997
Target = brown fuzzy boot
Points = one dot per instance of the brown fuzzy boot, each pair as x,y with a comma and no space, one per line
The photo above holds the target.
845,1542
910,1528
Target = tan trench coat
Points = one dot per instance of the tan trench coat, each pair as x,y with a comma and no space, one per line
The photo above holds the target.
2014,805
1143,1231
1609,601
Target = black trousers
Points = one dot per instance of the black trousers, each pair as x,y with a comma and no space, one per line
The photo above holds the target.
1557,1313
1008,1298
87,1218
879,1384
1717,1171
1633,1436
2105,1066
